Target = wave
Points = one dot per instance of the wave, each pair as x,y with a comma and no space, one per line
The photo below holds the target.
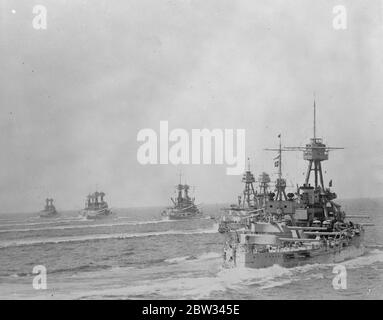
279,276
204,256
24,242
83,226
196,288
131,223
47,221
178,259
80,268
189,284
186,281
87,267
235,280
371,257
374,245
53,221
248,276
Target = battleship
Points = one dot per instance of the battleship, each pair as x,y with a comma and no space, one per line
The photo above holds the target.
96,207
184,206
49,209
303,228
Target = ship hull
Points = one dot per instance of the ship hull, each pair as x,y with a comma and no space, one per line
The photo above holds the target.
240,257
48,214
96,214
181,215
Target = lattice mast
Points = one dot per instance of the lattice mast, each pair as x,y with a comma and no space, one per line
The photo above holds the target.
248,192
314,152
264,180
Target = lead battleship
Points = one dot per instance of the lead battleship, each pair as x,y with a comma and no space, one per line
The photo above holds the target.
184,206
318,230
49,209
96,207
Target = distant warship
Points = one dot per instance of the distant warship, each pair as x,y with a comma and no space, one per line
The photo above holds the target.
49,209
183,206
96,207
308,227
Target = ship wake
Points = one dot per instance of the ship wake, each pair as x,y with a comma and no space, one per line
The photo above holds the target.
94,237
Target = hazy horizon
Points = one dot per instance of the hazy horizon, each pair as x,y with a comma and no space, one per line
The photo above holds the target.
74,96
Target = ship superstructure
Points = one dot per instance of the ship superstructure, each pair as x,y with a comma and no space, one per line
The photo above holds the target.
49,209
317,231
184,206
96,207
279,204
315,201
250,203
263,193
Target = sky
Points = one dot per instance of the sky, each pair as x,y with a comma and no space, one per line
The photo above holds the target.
74,96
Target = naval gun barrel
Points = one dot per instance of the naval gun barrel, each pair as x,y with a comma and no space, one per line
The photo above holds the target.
298,239
253,213
307,228
324,233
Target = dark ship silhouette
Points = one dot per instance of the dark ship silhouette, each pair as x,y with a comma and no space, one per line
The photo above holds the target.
184,206
49,209
96,207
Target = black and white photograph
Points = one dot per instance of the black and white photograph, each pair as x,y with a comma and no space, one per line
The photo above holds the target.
194,150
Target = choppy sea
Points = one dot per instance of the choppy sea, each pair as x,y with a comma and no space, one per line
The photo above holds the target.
136,255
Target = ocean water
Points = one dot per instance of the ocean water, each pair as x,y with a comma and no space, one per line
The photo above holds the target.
136,255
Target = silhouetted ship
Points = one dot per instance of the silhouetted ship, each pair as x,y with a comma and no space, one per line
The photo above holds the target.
183,206
49,209
96,207
308,227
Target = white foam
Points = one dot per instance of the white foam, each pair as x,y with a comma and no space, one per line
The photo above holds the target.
369,258
189,286
102,237
248,276
209,255
203,256
273,284
85,226
54,221
177,259
195,288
